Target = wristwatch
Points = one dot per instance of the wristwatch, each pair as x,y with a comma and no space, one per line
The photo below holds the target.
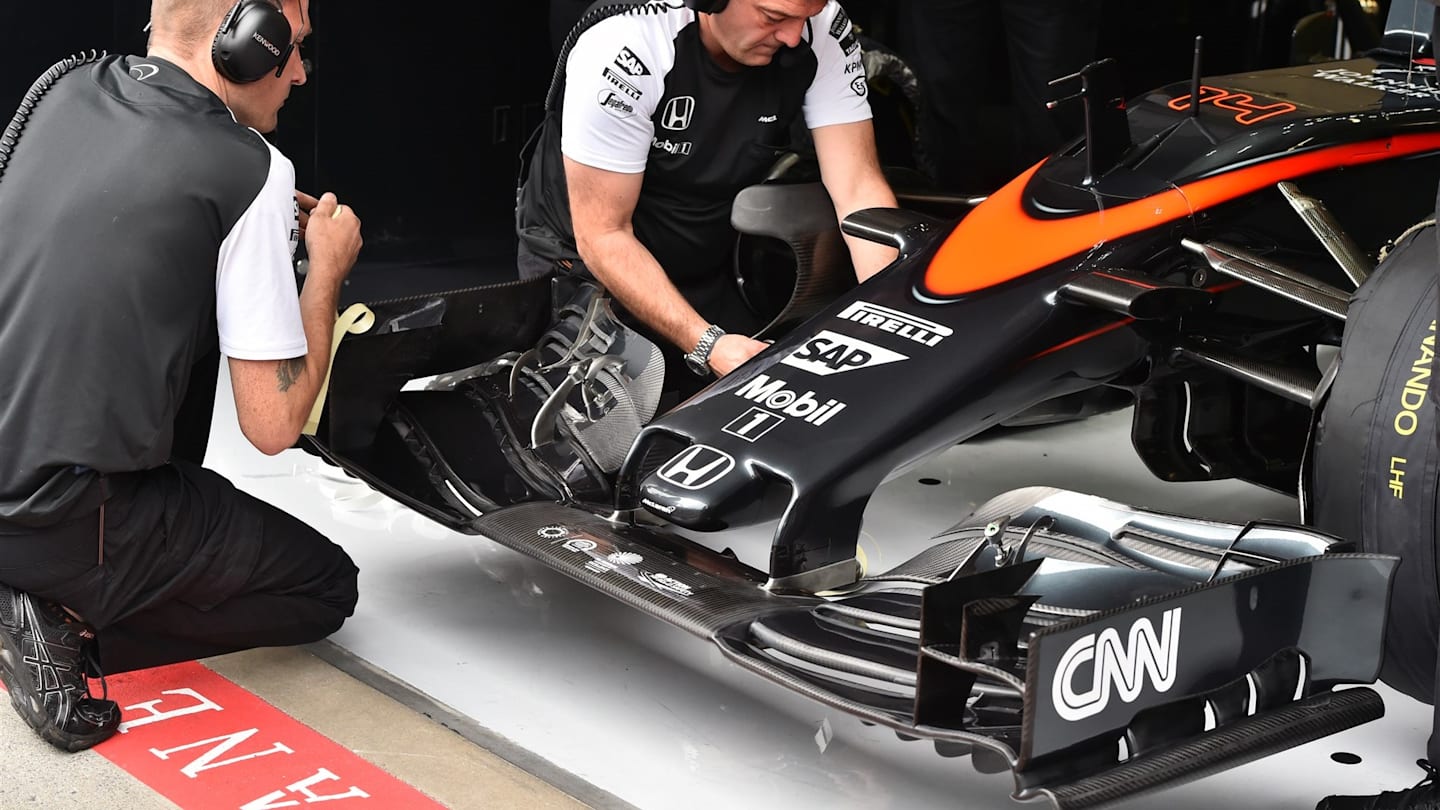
699,358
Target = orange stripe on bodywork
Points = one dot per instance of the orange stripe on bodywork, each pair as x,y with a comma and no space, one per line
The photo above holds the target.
1000,242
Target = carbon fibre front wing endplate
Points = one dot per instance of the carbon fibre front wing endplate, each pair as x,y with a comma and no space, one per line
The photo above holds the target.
981,644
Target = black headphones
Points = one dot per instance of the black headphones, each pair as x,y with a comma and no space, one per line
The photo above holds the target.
253,40
708,6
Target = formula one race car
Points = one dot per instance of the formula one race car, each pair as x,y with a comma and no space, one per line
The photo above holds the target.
1197,253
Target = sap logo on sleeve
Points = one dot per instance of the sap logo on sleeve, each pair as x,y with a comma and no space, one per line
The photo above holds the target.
630,63
832,353
697,467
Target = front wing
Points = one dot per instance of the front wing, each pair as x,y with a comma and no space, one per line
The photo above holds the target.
1097,652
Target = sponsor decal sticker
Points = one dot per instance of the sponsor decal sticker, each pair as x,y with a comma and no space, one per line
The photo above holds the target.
697,467
679,111
615,104
859,86
623,86
753,424
896,322
143,71
1095,665
850,44
1247,110
1376,82
676,148
768,119
842,22
667,583
776,397
832,353
630,63
857,66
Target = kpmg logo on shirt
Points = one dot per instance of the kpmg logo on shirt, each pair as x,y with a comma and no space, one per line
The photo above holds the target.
678,113
623,86
630,63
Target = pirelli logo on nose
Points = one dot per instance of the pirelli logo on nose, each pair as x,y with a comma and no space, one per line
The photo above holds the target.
919,330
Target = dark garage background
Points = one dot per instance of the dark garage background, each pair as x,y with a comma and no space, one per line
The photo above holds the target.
415,115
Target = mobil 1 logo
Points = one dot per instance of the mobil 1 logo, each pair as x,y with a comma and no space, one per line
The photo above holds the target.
832,353
780,400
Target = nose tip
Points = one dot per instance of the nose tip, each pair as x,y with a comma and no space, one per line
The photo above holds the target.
791,34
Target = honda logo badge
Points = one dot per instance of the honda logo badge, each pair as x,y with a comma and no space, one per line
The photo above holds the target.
697,468
678,113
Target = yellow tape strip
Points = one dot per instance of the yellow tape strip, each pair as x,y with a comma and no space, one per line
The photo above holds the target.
355,320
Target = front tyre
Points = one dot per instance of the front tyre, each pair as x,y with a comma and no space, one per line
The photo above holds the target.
1375,453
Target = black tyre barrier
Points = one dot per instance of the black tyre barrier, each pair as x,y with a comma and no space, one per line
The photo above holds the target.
1375,453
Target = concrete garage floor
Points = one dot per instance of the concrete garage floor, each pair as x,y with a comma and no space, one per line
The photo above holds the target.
545,693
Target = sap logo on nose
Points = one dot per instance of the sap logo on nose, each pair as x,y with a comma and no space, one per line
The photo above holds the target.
831,353
697,467
1097,664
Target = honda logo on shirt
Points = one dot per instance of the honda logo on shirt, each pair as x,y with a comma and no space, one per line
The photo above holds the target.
678,113
697,467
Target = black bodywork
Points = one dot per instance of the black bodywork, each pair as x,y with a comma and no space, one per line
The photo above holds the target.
1184,255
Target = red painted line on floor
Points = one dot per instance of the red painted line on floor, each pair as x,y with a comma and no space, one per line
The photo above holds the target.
205,743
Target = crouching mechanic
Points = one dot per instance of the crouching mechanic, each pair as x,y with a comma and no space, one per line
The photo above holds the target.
148,228
669,110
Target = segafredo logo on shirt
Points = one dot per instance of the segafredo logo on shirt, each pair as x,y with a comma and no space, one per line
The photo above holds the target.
630,63
1094,666
615,105
832,353
773,394
919,330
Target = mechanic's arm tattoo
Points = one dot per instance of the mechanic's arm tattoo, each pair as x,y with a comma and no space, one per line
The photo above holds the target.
288,372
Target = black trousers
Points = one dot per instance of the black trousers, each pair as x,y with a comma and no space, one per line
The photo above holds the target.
947,44
186,567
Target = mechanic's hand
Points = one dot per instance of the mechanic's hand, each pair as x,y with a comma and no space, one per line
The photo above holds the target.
732,350
332,238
